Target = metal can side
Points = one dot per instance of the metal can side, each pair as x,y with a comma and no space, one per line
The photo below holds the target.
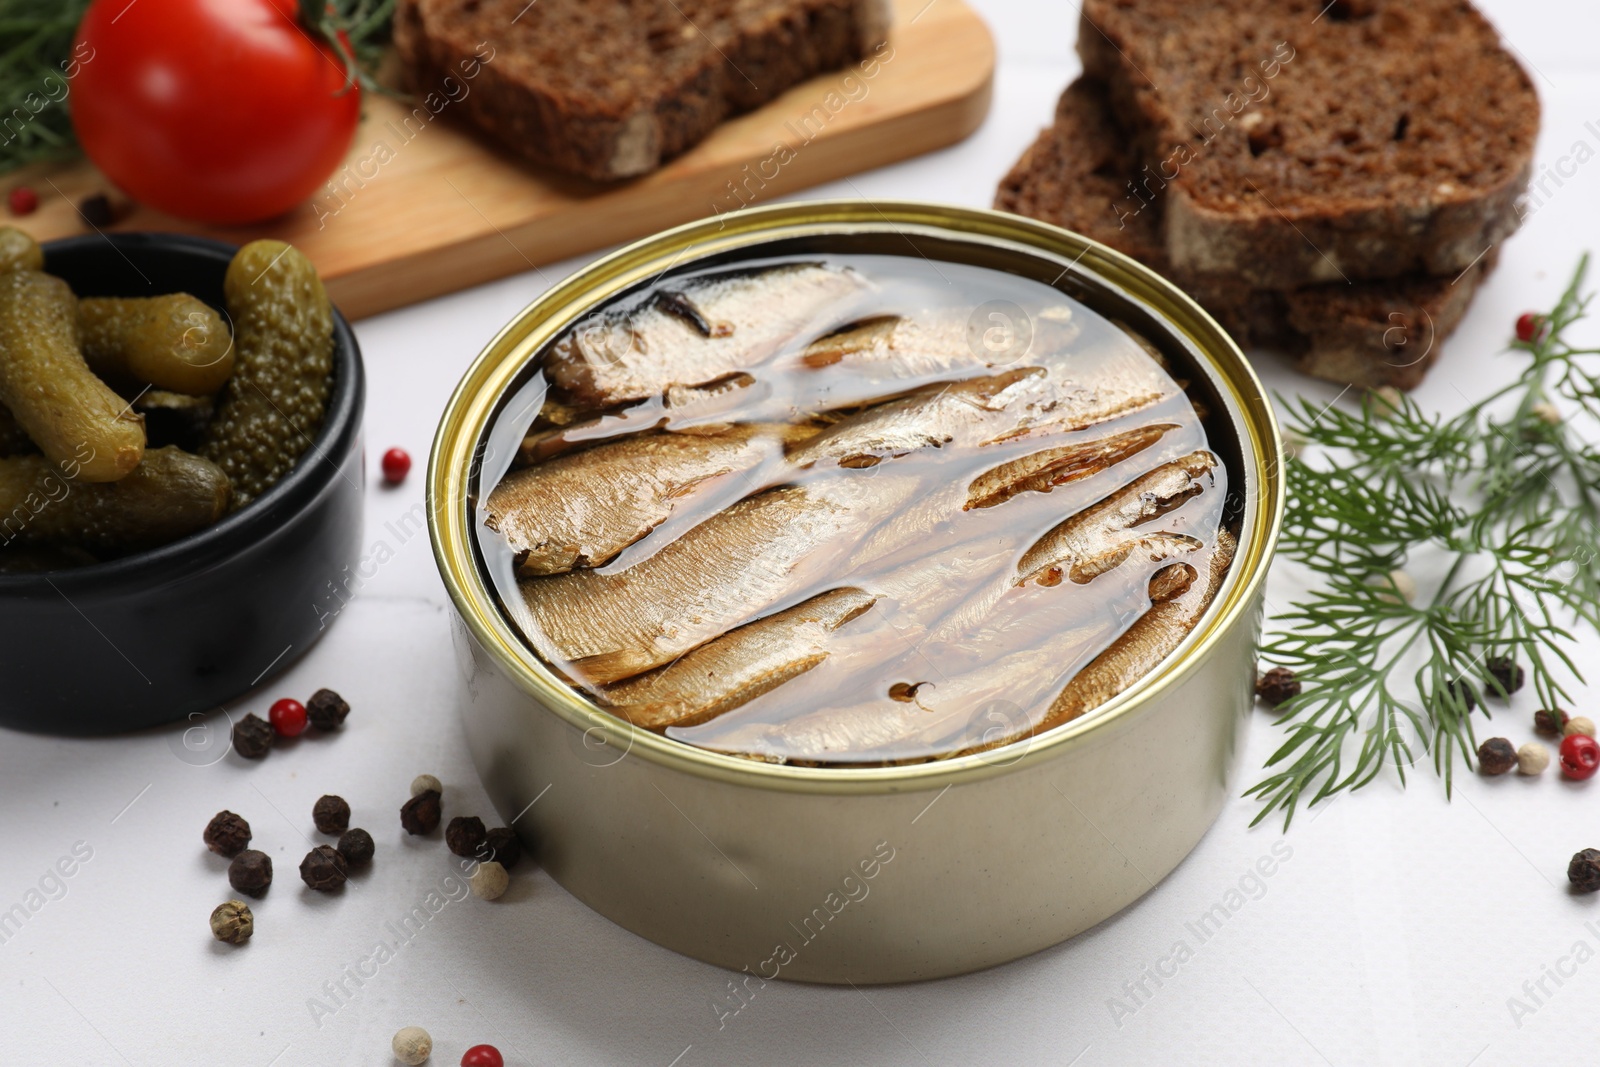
862,875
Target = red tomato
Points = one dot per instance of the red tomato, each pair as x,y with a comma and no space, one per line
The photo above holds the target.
222,111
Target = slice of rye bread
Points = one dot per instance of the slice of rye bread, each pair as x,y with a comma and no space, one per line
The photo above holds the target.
1368,334
1309,141
613,88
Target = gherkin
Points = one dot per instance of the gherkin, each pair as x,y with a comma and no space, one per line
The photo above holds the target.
72,416
18,251
169,495
273,406
174,341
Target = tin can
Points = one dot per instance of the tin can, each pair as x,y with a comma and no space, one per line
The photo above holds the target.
865,875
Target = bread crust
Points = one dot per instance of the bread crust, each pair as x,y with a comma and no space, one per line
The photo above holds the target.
1391,137
607,89
1368,334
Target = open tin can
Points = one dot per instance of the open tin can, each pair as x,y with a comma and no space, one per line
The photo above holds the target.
863,874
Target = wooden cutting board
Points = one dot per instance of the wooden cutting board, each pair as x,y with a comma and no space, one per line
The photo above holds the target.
424,207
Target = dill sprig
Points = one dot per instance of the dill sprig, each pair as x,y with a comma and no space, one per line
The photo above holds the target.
1502,500
358,32
35,40
36,43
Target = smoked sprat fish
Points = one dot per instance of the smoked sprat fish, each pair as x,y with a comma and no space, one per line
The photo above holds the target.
581,509
929,418
1104,535
952,713
723,572
561,428
889,351
1153,637
1039,472
941,344
1015,404
1178,600
739,666
856,511
702,329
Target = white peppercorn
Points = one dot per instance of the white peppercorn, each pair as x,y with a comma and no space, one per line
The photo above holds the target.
1387,401
1396,586
1579,724
412,1045
489,880
1532,758
425,783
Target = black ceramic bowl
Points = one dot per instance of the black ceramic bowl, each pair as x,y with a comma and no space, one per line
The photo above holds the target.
153,637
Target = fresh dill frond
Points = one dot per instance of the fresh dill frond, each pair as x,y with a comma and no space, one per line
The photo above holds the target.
358,31
35,46
1502,499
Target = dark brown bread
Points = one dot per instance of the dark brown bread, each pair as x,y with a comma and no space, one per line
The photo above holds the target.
613,88
1307,141
1368,334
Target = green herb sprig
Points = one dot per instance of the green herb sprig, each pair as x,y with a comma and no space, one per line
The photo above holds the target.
358,32
35,40
1504,499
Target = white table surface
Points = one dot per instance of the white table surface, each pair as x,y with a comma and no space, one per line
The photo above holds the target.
1394,933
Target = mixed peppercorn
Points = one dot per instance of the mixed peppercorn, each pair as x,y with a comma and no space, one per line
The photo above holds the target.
492,852
396,465
331,814
251,872
1584,870
326,868
253,736
413,1045
1578,752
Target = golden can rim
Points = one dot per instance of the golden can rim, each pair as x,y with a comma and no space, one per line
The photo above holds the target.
467,414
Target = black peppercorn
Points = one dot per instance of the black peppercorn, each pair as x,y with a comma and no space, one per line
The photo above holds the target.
227,834
97,211
355,845
1552,723
464,835
1505,675
253,737
331,814
326,709
420,814
250,872
1277,685
1496,756
1458,694
1584,870
323,869
503,846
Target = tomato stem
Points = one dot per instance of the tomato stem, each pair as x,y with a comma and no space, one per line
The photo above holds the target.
356,31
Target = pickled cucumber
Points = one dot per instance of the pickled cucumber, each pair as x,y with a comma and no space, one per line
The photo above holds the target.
170,494
273,406
18,251
172,342
69,413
